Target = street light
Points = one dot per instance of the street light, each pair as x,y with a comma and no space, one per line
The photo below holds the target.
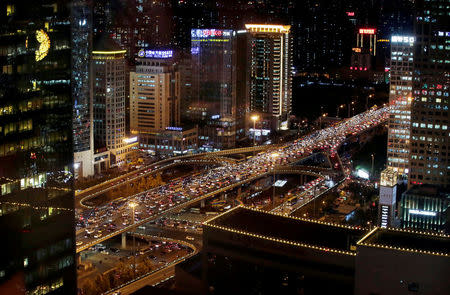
133,205
338,108
274,157
372,155
254,119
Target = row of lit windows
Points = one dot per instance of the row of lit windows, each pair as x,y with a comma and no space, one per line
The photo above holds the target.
30,143
430,126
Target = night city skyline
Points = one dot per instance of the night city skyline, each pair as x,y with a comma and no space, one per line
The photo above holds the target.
219,147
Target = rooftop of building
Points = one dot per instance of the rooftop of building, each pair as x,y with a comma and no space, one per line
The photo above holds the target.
104,43
428,190
287,229
408,240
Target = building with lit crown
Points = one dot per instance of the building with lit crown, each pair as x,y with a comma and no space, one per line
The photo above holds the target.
388,198
400,97
270,80
108,64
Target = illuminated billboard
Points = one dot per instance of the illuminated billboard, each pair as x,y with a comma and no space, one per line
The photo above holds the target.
155,53
367,31
402,39
210,33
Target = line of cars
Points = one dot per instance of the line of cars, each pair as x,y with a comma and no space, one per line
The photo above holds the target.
117,215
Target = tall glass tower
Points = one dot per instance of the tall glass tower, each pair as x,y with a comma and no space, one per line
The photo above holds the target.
83,130
37,255
429,157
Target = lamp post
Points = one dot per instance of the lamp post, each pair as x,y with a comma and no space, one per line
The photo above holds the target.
254,119
274,157
133,205
338,108
372,155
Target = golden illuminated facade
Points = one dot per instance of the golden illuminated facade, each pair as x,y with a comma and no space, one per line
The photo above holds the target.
154,96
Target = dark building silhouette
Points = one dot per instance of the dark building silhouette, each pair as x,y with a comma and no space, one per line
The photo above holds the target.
37,255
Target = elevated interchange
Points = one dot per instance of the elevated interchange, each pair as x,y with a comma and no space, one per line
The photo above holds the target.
115,218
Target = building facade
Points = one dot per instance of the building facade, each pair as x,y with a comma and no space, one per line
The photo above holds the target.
429,157
400,97
388,198
213,104
424,207
154,92
109,105
270,73
36,148
83,129
173,141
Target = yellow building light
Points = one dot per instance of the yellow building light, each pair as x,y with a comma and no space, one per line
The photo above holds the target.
44,47
268,28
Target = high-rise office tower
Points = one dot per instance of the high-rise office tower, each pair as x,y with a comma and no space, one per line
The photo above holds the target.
83,132
154,92
270,68
213,100
108,63
400,96
430,157
212,73
37,255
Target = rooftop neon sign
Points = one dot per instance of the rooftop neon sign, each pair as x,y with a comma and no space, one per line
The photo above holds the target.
155,53
367,31
402,39
207,33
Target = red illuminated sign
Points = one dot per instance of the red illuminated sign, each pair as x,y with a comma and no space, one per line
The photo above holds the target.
367,31
350,13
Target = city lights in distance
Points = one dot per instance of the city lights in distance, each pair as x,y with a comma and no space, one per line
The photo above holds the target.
367,31
402,39
207,33
422,212
155,53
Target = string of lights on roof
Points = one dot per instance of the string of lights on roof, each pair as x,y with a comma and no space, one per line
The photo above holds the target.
362,242
282,241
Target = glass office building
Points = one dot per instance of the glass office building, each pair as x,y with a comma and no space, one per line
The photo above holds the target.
36,154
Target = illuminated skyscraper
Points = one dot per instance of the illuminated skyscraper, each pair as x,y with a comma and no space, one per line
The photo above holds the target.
213,100
400,96
270,65
430,155
37,255
108,63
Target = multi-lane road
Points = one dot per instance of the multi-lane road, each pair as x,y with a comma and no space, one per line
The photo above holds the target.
95,225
